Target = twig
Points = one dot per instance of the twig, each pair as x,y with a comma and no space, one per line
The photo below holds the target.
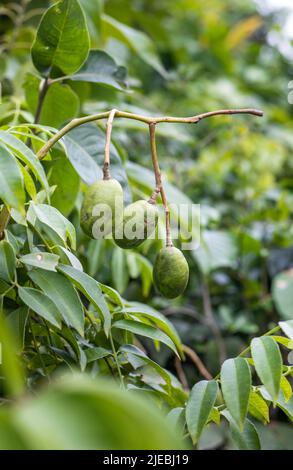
268,333
247,350
197,361
42,94
106,167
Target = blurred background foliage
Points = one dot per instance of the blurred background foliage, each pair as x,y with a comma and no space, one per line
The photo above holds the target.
181,57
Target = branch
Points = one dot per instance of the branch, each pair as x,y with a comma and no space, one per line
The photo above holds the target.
197,361
122,114
181,374
211,321
137,117
42,94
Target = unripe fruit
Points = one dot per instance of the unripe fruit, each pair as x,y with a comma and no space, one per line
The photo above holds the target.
139,222
171,272
102,201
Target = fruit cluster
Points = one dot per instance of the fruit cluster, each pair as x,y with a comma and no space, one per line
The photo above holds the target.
171,271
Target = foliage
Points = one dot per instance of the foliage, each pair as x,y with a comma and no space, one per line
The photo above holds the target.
69,303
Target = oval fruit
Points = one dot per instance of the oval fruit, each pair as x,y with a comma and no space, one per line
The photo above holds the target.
171,272
102,201
139,222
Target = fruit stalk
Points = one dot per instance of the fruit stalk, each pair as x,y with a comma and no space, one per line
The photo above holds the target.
106,167
159,184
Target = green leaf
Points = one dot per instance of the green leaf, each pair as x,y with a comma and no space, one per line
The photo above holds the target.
11,438
218,249
41,260
28,184
145,269
282,291
24,153
286,388
17,321
113,295
288,343
100,68
247,439
176,418
81,160
94,354
199,406
93,10
60,104
73,260
158,319
131,349
285,406
10,367
145,330
78,412
236,385
215,416
62,39
138,41
53,220
268,363
40,304
7,261
287,328
11,180
119,269
67,182
63,294
258,407
91,289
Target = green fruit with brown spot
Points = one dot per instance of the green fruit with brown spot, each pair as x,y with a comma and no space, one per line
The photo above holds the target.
139,222
103,200
171,272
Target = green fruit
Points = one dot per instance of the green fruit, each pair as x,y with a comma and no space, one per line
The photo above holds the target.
171,272
139,222
102,201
